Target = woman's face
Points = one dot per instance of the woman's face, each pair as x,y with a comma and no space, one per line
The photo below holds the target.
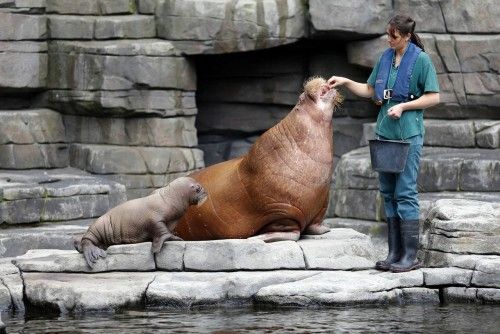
395,39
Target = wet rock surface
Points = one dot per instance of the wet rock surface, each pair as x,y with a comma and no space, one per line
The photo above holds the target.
325,270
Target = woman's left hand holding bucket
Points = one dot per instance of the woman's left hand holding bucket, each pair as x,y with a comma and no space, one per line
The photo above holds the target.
395,111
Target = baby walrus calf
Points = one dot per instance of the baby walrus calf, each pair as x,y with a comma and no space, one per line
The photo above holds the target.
150,218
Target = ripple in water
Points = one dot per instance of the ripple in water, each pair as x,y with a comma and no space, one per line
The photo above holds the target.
457,318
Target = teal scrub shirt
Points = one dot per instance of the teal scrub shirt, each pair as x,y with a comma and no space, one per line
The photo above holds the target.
423,80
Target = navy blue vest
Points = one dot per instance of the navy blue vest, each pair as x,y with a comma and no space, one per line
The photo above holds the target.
401,88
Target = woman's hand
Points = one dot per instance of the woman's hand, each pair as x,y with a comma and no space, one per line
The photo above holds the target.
395,111
337,81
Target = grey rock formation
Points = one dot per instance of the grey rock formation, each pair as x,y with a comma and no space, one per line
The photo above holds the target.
78,293
90,7
334,288
136,257
106,27
225,26
464,278
191,289
350,18
462,173
11,287
55,195
17,241
162,132
462,227
16,27
23,65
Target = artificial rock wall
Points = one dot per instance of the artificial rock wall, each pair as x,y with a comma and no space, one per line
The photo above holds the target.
135,91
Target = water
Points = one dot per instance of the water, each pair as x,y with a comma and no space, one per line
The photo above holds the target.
458,318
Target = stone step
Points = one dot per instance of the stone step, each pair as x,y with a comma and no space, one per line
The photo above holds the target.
17,26
368,204
91,7
441,169
452,133
340,249
100,27
141,169
37,126
150,131
90,66
32,139
24,65
34,196
16,241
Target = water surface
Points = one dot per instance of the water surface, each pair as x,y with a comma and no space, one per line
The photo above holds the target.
457,318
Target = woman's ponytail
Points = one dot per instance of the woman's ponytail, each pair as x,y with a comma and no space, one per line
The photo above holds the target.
415,39
406,25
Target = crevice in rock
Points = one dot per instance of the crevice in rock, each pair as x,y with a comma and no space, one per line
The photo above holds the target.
442,298
306,264
442,15
12,301
144,297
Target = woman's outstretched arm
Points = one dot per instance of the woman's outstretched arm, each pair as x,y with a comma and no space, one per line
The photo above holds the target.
358,88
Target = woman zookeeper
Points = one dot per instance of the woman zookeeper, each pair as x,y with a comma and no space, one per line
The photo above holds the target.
403,83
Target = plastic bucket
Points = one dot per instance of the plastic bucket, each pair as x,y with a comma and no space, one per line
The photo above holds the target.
388,156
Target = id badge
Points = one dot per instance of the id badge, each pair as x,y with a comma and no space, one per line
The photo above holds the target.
387,94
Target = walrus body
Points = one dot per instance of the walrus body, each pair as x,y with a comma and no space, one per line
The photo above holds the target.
150,218
280,188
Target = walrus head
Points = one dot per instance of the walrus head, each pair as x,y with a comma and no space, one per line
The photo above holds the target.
325,96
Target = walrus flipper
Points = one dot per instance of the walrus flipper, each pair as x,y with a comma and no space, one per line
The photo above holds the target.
316,230
277,236
316,227
161,234
91,252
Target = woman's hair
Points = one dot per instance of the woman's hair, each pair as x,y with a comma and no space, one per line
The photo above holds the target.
405,25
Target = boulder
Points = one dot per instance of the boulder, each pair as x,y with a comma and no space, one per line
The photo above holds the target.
192,289
447,276
220,26
98,72
133,257
108,159
336,288
487,273
90,7
104,27
17,241
175,131
473,17
487,133
339,249
55,195
79,293
16,27
11,288
440,168
122,103
31,126
20,70
33,156
350,19
459,227
229,255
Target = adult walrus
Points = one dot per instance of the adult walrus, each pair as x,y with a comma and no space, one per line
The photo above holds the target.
280,188
150,218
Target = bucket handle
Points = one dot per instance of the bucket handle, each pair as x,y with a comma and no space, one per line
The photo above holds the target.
400,127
